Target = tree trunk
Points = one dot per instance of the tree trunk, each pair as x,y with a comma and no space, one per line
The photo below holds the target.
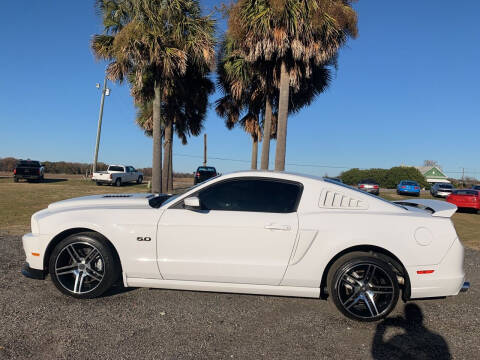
281,148
170,166
267,129
157,142
254,153
167,154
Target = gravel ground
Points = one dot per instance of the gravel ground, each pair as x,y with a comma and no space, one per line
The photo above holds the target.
39,322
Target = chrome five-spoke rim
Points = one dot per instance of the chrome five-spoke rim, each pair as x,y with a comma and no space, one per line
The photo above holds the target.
79,267
365,290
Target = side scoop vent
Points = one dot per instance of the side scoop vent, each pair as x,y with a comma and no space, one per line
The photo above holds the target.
117,196
331,199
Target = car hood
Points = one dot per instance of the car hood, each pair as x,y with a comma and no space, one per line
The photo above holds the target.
105,200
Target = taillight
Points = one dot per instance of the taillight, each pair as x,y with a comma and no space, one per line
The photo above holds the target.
416,188
197,174
39,171
14,171
110,176
375,186
403,187
361,186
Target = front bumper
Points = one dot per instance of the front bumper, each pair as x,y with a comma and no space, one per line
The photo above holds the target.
32,273
35,246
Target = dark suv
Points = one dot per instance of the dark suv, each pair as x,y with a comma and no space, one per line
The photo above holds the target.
28,170
204,173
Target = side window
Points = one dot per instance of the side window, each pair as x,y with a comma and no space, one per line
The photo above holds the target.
256,195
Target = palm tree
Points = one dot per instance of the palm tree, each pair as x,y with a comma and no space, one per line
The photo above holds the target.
186,105
294,37
158,41
246,92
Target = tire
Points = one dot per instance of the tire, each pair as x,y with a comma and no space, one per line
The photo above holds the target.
41,179
78,273
15,179
358,298
118,182
98,183
140,180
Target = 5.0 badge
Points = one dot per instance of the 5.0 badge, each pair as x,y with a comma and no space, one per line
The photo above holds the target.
146,238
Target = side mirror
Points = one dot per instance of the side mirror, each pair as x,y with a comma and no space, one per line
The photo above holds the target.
192,203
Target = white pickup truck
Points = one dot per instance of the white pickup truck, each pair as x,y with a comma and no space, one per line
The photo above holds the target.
118,175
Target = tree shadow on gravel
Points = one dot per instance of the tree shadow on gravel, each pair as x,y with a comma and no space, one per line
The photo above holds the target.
417,342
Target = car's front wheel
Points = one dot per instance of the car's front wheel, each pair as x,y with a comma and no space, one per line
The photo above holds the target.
363,287
140,180
83,266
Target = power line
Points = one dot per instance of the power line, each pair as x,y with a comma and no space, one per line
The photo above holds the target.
312,165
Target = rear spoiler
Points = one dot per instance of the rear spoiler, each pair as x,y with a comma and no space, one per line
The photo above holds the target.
436,207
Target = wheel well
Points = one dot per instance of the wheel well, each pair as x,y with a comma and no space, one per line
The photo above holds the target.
64,234
382,253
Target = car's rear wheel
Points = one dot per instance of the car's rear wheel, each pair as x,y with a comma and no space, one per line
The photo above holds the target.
15,179
363,287
98,183
140,180
118,182
83,266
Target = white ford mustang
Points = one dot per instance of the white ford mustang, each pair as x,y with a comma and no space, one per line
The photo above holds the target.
253,232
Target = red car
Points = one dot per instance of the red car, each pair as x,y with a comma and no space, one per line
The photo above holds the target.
465,198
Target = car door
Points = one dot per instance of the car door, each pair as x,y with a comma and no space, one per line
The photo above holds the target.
244,232
129,174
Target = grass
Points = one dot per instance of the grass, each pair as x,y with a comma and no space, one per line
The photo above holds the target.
18,201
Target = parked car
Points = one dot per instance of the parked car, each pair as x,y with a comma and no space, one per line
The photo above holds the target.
28,170
370,186
204,173
408,187
118,175
255,232
441,189
476,187
465,198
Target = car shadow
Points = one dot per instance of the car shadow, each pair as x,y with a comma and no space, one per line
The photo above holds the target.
416,342
116,290
51,180
468,211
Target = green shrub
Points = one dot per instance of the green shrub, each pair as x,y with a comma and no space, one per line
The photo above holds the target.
385,178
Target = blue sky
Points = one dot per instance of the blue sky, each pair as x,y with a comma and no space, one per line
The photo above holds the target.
406,90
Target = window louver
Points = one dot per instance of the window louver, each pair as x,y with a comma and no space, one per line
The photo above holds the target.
331,199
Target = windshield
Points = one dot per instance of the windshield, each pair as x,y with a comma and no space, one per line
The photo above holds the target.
411,183
445,186
28,163
115,168
163,199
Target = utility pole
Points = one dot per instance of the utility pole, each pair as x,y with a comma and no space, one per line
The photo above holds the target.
204,149
105,92
463,177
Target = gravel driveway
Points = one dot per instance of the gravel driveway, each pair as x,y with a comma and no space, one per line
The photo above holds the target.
38,322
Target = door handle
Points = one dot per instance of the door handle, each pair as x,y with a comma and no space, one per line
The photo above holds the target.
277,227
